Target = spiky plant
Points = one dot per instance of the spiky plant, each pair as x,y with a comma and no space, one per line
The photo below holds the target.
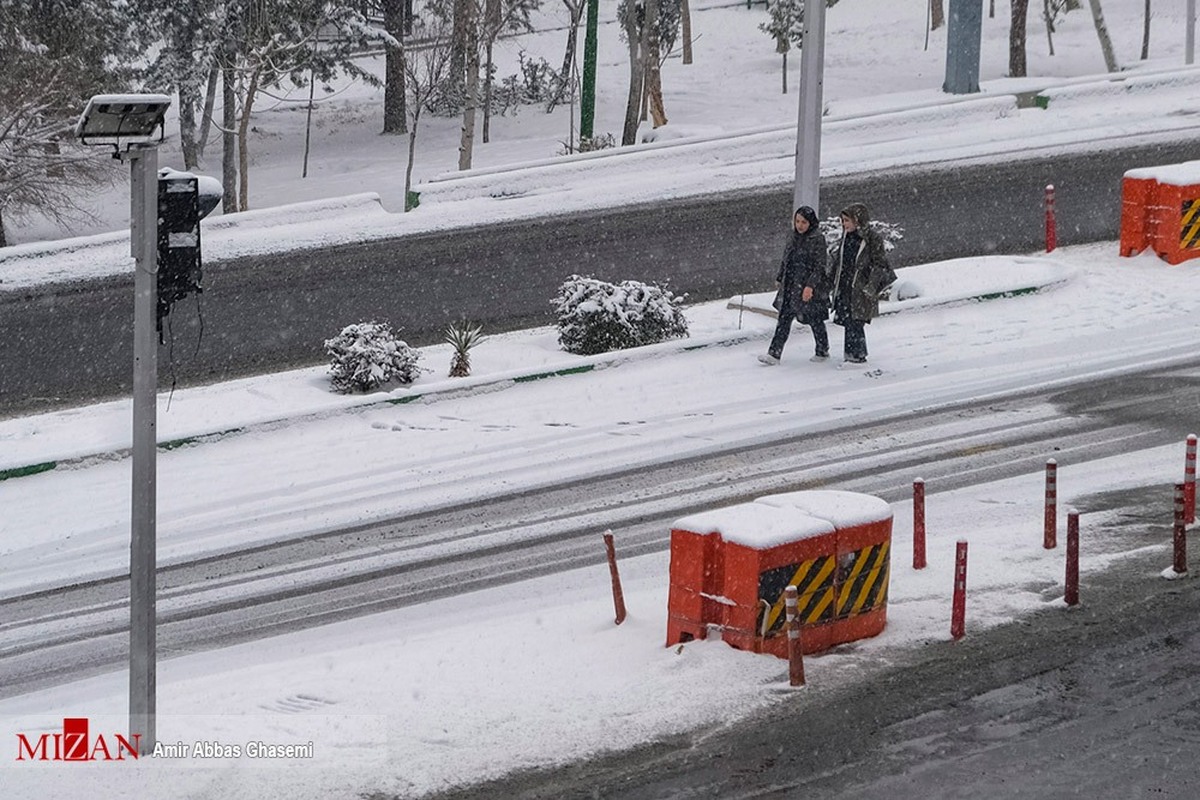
462,336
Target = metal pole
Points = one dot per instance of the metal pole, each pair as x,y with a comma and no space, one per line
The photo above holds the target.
143,235
807,191
1189,47
587,107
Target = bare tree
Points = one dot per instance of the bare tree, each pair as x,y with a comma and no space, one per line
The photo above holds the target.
1146,31
575,9
40,169
653,57
1016,39
395,116
425,72
1110,58
466,144
685,17
633,39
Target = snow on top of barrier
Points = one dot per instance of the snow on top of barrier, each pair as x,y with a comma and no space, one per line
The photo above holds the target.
841,509
755,525
1186,173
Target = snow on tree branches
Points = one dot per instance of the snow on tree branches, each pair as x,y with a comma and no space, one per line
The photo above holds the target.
367,355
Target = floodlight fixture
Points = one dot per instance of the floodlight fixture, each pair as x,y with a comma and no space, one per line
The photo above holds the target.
111,118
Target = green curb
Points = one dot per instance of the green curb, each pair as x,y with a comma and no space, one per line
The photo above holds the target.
174,444
32,469
541,375
1041,101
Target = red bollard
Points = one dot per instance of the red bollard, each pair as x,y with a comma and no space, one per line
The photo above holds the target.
919,524
618,595
1189,481
958,614
1050,534
1051,227
1180,534
795,646
1072,592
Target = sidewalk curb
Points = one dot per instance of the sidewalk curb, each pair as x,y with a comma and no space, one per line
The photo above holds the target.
395,397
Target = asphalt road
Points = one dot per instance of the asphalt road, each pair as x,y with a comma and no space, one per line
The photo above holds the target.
72,344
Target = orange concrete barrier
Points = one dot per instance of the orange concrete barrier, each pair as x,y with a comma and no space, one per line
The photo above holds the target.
1160,211
730,568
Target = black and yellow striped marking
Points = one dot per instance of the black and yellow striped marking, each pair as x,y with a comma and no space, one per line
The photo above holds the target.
864,585
825,591
814,589
1189,224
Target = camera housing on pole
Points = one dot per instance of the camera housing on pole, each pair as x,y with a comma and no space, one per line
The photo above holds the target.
129,121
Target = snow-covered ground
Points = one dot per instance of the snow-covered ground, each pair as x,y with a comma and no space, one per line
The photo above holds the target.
534,673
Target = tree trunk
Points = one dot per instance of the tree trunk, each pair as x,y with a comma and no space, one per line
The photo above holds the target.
991,9
3,237
575,9
487,96
412,154
395,115
206,118
785,72
654,65
685,14
937,14
188,99
633,102
1016,39
471,90
229,170
1110,59
1146,32
458,45
244,144
1049,24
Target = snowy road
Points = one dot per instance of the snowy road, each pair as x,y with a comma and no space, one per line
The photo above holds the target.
65,633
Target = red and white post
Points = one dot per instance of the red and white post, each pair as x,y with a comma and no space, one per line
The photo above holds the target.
1072,583
958,613
1189,481
1050,532
618,595
1051,226
919,523
795,646
1180,534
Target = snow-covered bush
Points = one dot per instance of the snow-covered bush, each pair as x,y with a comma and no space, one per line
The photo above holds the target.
597,317
831,229
367,355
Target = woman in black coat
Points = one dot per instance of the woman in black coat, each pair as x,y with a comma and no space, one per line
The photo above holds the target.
803,280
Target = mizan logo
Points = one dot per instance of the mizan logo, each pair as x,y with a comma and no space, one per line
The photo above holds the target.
75,744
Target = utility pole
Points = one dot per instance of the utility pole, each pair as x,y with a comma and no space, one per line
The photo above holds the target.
143,227
1190,39
807,191
963,37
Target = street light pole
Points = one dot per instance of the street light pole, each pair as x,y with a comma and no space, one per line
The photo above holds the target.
807,191
143,235
1189,42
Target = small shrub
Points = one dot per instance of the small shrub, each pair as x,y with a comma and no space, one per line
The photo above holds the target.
602,141
598,317
463,337
367,355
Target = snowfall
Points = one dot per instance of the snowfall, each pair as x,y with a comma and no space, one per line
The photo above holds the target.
536,673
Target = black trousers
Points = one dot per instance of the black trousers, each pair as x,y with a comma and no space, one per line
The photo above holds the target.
856,339
784,327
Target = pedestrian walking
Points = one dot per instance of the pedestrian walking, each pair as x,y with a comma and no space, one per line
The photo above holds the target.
803,281
861,273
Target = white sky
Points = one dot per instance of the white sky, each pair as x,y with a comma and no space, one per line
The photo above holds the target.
466,688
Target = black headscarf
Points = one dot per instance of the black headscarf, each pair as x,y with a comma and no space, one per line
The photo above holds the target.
808,214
